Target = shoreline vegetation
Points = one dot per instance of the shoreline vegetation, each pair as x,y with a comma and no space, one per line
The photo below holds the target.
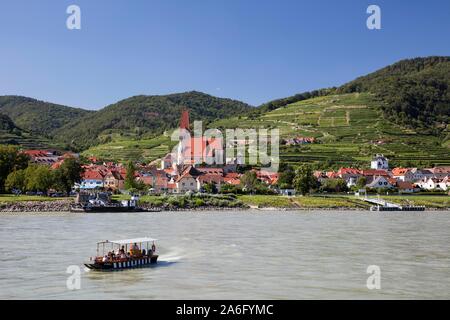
203,202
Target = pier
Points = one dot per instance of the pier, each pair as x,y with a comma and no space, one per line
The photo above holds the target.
383,205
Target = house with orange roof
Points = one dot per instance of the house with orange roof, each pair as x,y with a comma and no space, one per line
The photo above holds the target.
375,172
406,187
268,177
187,180
349,174
403,174
232,178
91,179
44,157
208,178
114,180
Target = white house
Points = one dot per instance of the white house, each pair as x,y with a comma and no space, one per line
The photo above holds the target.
429,184
420,174
379,182
379,162
187,181
444,184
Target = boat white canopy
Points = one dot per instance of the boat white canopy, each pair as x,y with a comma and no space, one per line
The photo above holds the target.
135,240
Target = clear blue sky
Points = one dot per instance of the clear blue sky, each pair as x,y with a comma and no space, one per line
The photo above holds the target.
251,50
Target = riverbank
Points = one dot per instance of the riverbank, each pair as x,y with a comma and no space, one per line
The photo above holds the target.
36,206
203,202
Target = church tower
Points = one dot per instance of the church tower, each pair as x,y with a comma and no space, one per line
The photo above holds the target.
184,121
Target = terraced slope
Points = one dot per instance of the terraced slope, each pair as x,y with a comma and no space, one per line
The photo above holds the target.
349,128
128,147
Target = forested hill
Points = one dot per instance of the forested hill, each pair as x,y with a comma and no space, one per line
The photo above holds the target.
38,117
414,92
144,115
6,124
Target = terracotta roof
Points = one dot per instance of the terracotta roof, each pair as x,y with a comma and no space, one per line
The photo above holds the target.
231,180
374,172
400,171
216,171
405,185
189,172
92,175
210,178
441,170
348,171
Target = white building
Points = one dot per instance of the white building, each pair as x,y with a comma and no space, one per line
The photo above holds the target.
379,162
380,182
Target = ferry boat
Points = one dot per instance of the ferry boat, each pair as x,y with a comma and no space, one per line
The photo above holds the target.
123,254
101,202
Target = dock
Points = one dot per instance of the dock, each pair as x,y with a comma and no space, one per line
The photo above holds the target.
383,205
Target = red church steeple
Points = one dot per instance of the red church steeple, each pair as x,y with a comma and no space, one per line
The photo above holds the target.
184,122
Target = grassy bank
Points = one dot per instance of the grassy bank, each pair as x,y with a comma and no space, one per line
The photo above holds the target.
429,201
259,201
9,198
187,201
307,202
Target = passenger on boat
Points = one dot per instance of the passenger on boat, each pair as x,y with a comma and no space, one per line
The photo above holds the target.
135,251
105,258
144,252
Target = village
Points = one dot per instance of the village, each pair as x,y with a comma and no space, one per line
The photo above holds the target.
185,171
170,178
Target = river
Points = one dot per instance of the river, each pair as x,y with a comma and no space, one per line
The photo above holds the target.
232,255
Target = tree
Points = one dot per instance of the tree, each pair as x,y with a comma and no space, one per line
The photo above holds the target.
286,178
210,187
16,180
10,160
334,185
361,182
67,175
249,181
304,180
38,178
226,188
130,182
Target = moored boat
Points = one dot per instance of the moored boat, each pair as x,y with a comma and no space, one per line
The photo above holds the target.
102,202
123,254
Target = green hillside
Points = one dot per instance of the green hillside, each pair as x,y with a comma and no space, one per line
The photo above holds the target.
11,134
350,129
124,147
413,92
38,117
143,117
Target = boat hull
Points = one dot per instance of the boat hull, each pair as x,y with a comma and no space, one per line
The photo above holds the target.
110,209
130,264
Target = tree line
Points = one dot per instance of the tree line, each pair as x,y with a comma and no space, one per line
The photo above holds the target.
18,174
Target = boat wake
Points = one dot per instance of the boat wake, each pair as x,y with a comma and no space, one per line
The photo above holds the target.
173,255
